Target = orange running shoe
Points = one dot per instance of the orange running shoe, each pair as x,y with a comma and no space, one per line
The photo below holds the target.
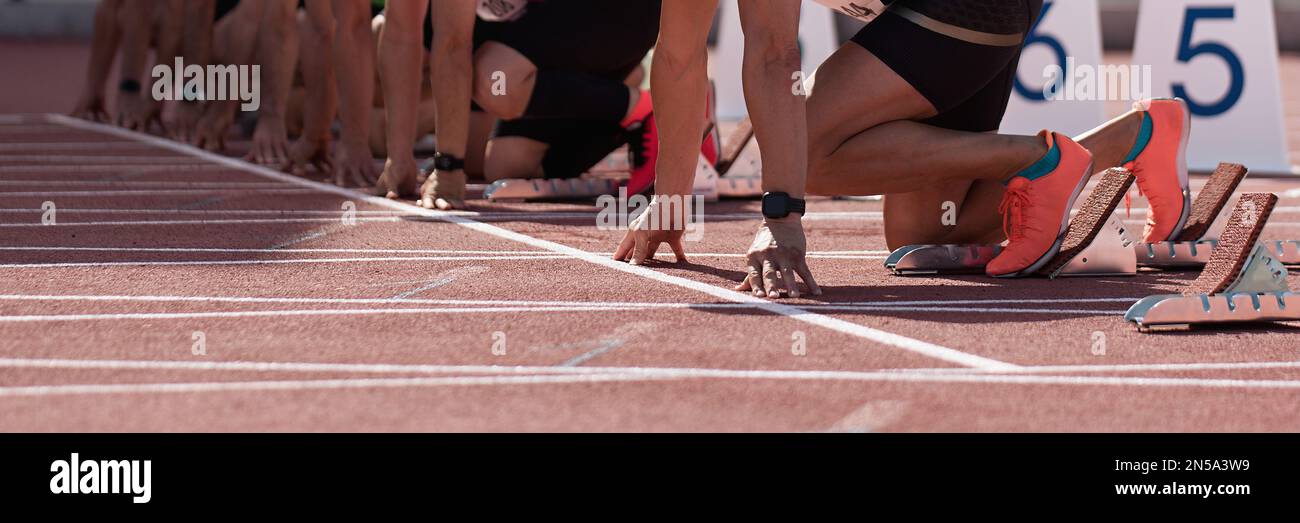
1159,161
1036,207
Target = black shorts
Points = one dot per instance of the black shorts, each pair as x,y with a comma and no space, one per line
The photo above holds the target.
574,145
599,37
224,7
603,38
961,55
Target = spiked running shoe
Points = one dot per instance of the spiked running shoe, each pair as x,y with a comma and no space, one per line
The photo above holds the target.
1036,207
1159,161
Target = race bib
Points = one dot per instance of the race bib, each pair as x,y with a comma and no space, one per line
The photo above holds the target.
864,10
501,10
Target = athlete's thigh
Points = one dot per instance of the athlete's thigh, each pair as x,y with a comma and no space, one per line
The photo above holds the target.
855,91
514,157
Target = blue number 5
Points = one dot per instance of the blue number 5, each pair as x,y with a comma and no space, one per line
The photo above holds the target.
1038,95
1187,51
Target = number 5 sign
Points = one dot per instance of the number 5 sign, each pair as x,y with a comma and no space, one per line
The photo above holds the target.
1221,56
1068,32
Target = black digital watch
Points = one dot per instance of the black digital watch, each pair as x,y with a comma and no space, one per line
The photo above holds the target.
447,162
778,205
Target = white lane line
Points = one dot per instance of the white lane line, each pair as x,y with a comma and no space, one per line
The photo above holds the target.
109,193
368,301
274,250
115,169
253,299
88,147
276,261
861,331
417,368
445,278
63,159
265,251
686,374
239,221
605,346
1134,367
292,313
33,318
362,383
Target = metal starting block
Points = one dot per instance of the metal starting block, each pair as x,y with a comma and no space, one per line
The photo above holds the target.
537,189
1191,250
1242,282
1096,243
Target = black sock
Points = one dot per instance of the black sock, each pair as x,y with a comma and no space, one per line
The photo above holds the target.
577,96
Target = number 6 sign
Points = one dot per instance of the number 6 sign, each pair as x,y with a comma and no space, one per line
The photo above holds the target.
1221,56
1067,32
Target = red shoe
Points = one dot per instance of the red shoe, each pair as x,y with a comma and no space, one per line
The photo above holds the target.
1036,207
1161,167
712,146
643,145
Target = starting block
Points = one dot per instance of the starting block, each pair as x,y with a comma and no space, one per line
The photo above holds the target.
1095,243
709,180
1191,249
1242,282
539,189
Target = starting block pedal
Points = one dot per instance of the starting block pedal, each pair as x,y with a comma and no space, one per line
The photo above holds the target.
1096,243
539,189
734,145
1191,249
1242,282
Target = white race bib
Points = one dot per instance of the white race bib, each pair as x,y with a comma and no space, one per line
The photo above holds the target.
501,10
864,10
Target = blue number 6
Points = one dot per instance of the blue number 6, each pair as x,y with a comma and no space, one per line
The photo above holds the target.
1187,51
1038,95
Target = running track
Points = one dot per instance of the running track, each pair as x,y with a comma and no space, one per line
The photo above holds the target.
389,322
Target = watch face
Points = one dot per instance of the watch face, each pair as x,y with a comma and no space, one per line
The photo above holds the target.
776,205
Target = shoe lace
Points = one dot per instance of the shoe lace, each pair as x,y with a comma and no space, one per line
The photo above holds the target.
1012,209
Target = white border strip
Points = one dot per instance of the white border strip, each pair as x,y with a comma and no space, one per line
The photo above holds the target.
886,338
685,374
278,261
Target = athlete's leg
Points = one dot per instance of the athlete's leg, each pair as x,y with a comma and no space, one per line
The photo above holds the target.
679,79
198,19
277,51
514,157
135,108
400,54
103,51
321,99
452,77
354,52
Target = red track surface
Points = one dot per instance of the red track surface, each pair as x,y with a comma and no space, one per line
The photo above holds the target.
388,325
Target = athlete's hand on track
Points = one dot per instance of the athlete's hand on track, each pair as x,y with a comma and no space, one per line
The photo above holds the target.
307,153
399,179
137,113
652,228
777,254
91,107
353,166
444,191
210,133
185,121
270,142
